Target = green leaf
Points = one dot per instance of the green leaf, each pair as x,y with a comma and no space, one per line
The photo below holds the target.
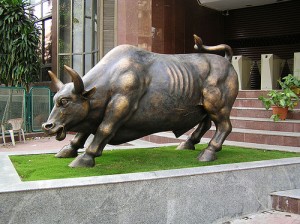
19,37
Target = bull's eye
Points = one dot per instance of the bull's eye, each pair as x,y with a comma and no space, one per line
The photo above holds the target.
64,102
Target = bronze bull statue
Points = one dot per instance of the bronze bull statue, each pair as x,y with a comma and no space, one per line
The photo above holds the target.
132,93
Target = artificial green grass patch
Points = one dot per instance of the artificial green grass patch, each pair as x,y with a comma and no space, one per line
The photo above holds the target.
46,166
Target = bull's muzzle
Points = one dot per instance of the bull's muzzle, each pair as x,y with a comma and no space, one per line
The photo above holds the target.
48,126
51,129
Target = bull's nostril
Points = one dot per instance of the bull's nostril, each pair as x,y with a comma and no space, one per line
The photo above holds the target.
48,126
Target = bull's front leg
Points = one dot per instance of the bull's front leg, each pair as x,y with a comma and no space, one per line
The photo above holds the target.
118,111
71,150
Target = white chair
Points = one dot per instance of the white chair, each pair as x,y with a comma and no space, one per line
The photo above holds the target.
16,126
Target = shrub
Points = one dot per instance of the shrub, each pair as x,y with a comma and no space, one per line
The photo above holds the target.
20,44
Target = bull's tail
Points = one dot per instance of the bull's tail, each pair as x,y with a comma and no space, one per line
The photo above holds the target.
212,49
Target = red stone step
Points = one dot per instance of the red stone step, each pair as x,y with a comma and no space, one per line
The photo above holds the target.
252,93
252,103
286,201
248,102
250,112
261,113
265,124
262,137
161,139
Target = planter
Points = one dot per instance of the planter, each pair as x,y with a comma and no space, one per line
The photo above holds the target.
280,111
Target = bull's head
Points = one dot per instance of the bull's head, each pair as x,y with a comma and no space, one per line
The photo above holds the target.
71,105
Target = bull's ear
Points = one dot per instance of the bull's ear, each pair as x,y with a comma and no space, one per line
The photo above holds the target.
56,82
89,93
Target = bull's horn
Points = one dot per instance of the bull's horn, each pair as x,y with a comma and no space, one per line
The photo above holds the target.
56,82
78,83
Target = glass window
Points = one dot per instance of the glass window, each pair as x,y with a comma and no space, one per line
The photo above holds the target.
47,42
47,8
42,9
37,11
64,26
63,60
77,63
88,34
88,62
78,34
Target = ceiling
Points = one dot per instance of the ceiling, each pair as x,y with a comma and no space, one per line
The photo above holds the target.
223,5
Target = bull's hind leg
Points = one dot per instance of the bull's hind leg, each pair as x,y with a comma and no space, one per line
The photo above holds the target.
196,136
71,150
223,129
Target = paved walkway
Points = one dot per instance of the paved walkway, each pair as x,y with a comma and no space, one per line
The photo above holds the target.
268,217
50,145
39,145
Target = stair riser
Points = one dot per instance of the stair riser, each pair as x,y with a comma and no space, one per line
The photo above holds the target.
250,113
260,139
160,139
266,125
286,204
253,103
294,115
238,137
252,93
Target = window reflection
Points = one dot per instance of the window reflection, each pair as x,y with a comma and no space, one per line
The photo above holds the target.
64,26
78,8
47,41
47,8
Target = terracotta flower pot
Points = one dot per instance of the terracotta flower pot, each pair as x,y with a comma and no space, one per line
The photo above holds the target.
281,111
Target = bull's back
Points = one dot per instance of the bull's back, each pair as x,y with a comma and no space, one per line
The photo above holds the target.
173,95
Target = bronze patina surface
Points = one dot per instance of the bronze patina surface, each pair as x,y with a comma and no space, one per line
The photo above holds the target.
132,93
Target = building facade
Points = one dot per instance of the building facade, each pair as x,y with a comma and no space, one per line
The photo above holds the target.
80,32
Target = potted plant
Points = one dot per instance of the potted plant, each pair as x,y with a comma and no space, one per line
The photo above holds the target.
291,82
280,100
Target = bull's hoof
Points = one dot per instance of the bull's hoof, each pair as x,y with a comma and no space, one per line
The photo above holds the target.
83,160
66,152
207,156
187,145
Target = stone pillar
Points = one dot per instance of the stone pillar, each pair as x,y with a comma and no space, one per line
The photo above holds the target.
297,64
271,66
242,66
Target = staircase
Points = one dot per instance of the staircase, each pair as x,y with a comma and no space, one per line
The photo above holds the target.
252,124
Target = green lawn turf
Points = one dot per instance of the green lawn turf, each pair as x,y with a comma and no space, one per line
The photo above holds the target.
46,166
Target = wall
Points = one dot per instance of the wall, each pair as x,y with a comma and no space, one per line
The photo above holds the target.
167,26
107,36
168,21
265,29
204,22
134,23
176,21
193,195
